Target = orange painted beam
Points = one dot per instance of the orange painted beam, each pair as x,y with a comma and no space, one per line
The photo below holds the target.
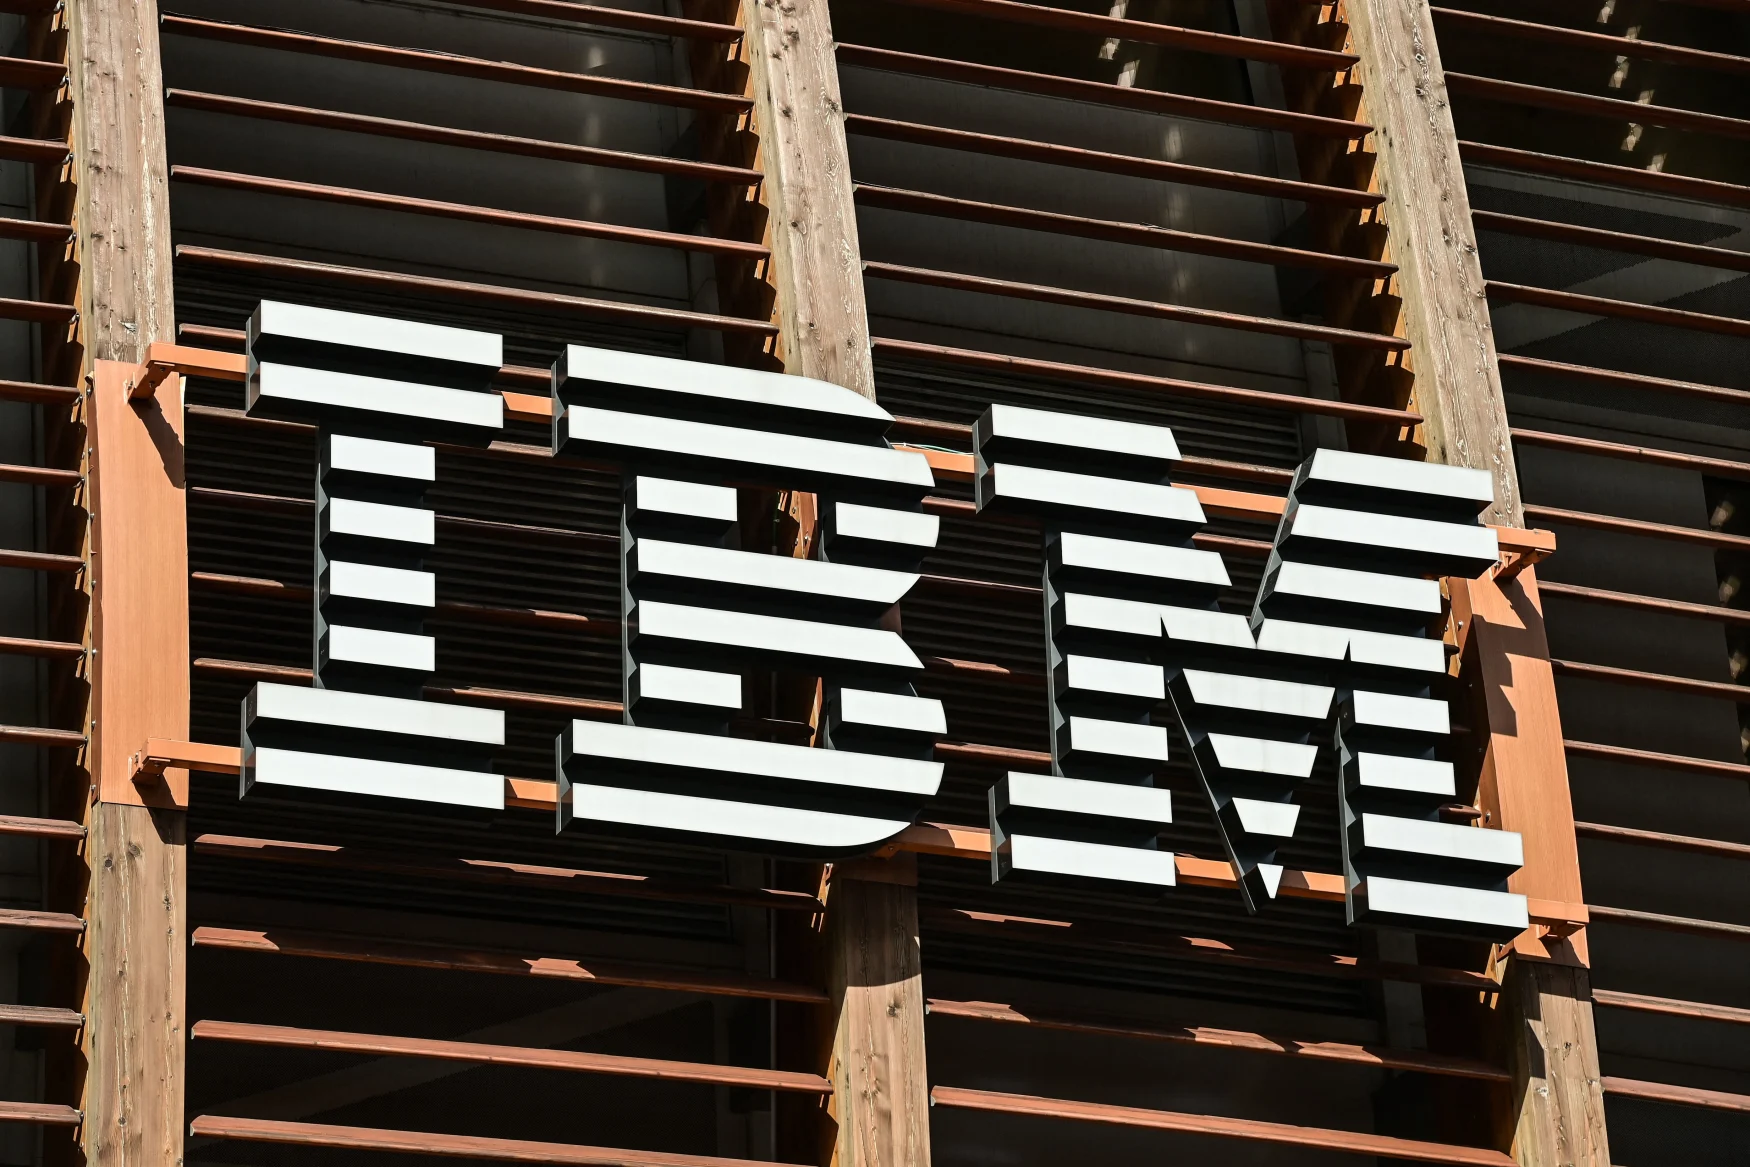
139,561
1523,783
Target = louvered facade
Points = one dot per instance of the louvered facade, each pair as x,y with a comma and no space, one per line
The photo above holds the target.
1250,222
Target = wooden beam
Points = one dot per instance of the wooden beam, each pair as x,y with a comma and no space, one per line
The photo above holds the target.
473,1147
136,942
480,1053
1427,209
881,1099
1219,1126
411,954
823,318
1559,1116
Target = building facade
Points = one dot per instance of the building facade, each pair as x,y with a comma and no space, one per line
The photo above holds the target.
875,583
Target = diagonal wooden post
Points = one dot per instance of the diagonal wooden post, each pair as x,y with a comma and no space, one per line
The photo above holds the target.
1446,308
1557,1117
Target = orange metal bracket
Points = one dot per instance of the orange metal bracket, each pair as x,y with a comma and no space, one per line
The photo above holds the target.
162,765
164,360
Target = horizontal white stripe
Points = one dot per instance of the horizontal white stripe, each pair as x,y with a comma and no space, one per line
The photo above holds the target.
738,820
1263,756
377,395
351,645
1443,840
774,634
892,711
1116,800
377,520
397,715
388,459
695,439
1093,674
1093,860
708,753
1118,739
1076,431
1401,476
265,766
853,520
1438,901
383,585
693,499
711,384
778,572
687,686
1348,586
1286,698
1030,484
1395,711
386,334
1394,532
1133,557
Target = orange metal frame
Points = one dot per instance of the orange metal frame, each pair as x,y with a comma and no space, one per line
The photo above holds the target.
1497,622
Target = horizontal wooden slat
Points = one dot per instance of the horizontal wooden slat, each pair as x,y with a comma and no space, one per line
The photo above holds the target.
1728,194
891,347
35,394
1133,307
1619,46
54,649
30,735
1714,612
1720,467
574,1061
455,65
1660,922
407,954
460,289
27,73
1246,1130
464,212
1621,241
1604,753
1614,834
33,921
34,230
1613,108
1163,945
1617,309
1621,526
40,561
1321,1051
39,475
308,1134
499,872
1134,234
1149,33
40,1113
36,311
1721,690
463,139
1670,1007
1101,162
1623,380
42,1016
626,18
1100,93
46,150
1676,1095
13,824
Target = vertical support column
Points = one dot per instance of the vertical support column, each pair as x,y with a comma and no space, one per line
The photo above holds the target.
1557,1116
823,318
881,1095
136,940
1446,309
880,1090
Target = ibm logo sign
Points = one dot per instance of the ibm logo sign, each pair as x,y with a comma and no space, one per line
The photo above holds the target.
1335,649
